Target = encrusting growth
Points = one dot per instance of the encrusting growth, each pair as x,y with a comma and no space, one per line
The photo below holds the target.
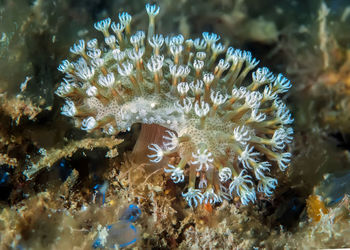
227,130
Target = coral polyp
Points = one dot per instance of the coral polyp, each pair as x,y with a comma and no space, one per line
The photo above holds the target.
228,131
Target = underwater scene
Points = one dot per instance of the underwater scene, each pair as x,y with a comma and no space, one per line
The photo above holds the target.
207,124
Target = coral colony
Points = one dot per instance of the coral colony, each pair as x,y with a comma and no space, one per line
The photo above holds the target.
227,130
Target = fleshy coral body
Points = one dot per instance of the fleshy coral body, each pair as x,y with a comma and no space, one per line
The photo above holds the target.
228,131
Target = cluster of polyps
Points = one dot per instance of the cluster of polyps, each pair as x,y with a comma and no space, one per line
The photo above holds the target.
226,131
